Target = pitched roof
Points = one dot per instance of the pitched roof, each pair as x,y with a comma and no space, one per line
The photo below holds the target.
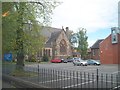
51,34
54,36
47,31
96,44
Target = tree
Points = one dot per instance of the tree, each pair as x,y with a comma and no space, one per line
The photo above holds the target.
74,40
8,28
82,42
21,30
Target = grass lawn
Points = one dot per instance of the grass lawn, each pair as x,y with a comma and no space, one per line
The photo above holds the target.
10,67
19,73
0,62
27,63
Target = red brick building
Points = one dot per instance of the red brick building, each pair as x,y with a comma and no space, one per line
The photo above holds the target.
95,52
110,48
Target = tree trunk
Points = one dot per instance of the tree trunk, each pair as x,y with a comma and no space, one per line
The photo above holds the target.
19,39
20,61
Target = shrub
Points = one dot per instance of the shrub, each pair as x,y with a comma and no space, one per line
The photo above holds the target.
45,58
32,58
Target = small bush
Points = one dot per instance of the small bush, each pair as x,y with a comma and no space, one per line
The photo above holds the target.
69,57
32,58
45,58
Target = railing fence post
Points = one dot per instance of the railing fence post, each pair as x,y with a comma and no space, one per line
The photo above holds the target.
93,79
88,80
77,79
81,79
38,73
67,77
97,79
117,81
85,80
106,80
56,77
61,80
70,79
102,80
111,81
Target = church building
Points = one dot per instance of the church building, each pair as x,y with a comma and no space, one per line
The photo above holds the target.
57,43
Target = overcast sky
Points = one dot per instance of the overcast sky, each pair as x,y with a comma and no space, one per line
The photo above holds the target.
97,16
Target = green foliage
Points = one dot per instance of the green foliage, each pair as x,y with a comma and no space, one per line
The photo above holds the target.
32,58
82,43
69,57
73,39
21,30
45,58
8,28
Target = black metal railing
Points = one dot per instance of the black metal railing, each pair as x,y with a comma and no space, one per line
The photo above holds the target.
74,79
53,78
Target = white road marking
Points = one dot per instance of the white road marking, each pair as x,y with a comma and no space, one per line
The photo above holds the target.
68,77
55,80
71,77
116,72
115,88
91,70
78,84
108,81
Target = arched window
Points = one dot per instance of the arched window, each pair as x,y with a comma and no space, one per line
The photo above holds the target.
63,47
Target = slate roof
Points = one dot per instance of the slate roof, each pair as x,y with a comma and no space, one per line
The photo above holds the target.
51,35
47,31
96,44
54,36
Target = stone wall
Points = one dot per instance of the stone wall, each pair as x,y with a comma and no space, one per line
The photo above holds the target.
63,36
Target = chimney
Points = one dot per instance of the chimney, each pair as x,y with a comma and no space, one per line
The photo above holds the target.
67,32
67,29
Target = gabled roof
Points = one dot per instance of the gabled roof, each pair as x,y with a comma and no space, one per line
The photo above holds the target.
47,31
51,34
96,44
54,36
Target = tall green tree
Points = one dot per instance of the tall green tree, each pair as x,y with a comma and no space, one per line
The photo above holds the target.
21,29
9,27
82,42
74,40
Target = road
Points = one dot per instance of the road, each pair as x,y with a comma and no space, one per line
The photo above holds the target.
105,69
66,75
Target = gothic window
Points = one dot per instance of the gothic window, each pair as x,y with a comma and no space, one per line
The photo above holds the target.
47,52
63,47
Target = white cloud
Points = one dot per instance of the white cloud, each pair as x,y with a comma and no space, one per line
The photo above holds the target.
86,13
90,14
91,42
